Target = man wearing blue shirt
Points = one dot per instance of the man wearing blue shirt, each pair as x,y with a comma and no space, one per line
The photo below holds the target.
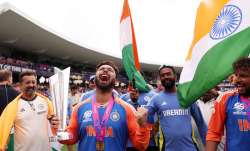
140,99
175,121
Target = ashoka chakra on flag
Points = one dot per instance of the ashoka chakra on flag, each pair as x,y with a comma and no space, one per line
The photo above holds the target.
227,22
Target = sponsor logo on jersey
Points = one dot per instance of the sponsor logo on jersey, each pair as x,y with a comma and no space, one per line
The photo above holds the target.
175,112
114,116
164,103
41,109
22,110
87,116
239,109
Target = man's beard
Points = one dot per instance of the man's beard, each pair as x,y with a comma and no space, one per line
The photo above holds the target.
168,84
246,92
105,88
134,99
30,91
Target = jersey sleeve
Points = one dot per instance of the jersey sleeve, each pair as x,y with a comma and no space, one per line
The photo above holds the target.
152,109
217,121
139,136
6,122
51,114
50,109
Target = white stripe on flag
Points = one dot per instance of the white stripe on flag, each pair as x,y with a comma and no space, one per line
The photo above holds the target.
206,43
125,32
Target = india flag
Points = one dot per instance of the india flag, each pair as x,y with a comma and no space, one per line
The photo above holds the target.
130,57
221,36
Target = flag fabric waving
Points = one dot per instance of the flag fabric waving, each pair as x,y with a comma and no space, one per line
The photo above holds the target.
221,36
130,57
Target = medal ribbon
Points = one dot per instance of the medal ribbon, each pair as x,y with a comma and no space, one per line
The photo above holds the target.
247,107
100,125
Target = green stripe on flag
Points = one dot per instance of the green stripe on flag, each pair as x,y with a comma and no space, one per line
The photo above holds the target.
215,66
53,149
129,65
11,143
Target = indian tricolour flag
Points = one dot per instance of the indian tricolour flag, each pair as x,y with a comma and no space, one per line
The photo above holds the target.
221,36
130,57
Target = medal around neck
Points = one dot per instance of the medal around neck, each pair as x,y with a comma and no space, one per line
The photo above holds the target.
59,85
99,145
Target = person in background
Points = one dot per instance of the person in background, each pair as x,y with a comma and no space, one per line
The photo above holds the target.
92,82
159,86
232,112
73,100
74,95
136,103
206,105
29,113
16,86
89,93
7,94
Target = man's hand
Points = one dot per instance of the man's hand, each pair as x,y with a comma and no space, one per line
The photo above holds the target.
54,122
142,116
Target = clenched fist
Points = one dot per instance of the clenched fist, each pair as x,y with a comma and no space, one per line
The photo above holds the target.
142,116
54,122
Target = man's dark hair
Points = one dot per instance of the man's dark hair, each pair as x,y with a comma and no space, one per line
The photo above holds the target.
110,63
242,63
166,66
5,75
73,87
92,78
26,73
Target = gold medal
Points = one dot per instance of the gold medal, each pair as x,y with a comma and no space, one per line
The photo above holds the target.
99,146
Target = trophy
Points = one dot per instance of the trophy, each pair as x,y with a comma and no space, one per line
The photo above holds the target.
59,86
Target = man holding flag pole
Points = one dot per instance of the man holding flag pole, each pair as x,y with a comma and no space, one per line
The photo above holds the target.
130,57
131,64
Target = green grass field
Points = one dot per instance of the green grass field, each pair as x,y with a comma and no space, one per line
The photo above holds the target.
64,148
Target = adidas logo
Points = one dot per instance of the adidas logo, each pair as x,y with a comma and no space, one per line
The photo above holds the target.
164,103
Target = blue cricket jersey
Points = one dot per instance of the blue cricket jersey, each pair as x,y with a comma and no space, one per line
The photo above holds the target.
120,127
233,113
175,121
143,99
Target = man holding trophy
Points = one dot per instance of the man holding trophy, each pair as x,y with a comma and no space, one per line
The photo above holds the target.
29,113
104,122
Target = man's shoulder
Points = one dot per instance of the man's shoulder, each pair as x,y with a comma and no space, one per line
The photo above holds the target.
128,107
125,96
13,91
224,96
43,97
86,95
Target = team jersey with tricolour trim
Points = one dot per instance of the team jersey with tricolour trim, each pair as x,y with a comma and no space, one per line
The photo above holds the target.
121,126
232,112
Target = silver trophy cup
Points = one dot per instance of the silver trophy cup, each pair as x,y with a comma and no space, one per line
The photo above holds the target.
59,86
